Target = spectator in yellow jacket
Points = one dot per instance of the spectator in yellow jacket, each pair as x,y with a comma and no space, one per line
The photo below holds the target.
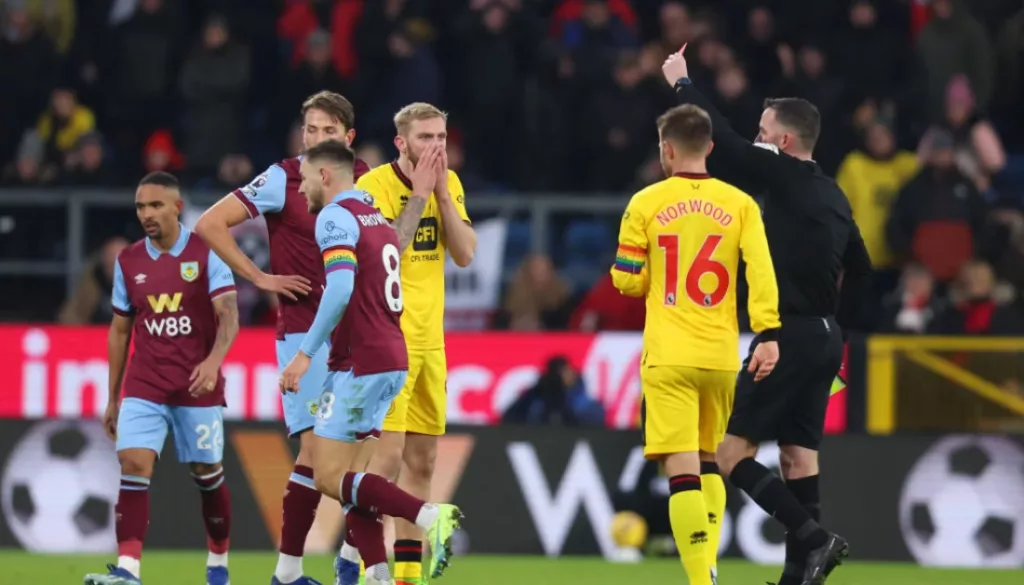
57,18
64,122
871,178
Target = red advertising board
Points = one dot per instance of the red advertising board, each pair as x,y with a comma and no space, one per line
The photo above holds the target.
62,372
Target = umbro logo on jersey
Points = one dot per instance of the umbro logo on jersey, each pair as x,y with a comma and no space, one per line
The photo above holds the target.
140,278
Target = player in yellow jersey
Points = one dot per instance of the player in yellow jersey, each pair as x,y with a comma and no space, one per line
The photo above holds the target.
680,244
425,203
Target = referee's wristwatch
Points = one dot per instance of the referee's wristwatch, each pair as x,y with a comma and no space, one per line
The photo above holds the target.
682,82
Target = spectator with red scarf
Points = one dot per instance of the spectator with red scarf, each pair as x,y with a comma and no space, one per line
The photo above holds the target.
980,306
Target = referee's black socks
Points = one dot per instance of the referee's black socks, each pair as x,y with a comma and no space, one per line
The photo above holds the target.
771,493
806,491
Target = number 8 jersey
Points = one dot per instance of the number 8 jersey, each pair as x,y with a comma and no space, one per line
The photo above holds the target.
353,235
680,243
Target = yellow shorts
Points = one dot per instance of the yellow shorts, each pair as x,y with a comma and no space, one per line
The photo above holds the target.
684,409
421,406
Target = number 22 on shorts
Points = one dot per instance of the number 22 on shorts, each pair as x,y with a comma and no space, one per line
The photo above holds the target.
209,436
702,264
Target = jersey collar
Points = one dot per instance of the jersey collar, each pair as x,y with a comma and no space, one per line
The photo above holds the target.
176,249
401,176
350,194
695,176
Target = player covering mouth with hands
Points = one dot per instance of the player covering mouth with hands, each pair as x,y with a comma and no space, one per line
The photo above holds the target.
360,310
425,203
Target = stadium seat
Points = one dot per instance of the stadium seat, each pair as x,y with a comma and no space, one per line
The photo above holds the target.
588,246
582,275
587,241
517,243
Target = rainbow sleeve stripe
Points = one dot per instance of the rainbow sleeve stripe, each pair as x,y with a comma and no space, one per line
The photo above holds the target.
630,259
340,258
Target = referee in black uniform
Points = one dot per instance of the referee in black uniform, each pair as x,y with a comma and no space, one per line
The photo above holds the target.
814,244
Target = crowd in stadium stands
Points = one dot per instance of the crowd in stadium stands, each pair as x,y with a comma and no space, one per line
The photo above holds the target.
920,102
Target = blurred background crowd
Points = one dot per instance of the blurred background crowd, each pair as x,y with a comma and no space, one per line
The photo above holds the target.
919,98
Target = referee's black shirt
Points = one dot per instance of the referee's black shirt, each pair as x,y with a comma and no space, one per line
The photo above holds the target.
815,244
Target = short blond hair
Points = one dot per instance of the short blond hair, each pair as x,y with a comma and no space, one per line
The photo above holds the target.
414,112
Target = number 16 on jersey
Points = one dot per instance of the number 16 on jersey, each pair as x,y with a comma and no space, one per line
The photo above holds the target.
702,264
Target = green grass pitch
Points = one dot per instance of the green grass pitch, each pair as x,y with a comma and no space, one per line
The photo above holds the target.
178,568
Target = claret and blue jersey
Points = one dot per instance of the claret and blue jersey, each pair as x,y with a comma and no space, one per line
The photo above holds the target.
360,309
275,195
219,277
170,295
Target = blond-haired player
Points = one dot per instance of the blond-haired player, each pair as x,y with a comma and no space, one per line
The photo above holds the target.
425,203
680,244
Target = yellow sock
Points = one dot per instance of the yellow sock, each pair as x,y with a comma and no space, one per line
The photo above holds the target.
409,562
713,488
689,517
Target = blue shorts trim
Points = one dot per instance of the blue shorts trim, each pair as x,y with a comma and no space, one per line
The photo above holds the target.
198,430
300,406
353,408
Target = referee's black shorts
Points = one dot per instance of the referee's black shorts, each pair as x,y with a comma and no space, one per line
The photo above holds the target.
789,405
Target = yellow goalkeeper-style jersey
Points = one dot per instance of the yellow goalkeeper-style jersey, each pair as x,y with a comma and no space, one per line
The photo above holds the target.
680,243
423,261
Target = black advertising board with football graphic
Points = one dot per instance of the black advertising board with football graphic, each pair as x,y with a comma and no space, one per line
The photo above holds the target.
953,500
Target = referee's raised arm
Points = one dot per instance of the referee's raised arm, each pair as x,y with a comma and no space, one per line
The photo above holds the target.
759,161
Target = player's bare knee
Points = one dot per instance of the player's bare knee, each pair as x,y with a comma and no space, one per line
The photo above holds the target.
731,452
387,457
419,456
686,463
796,462
305,456
326,480
726,462
137,462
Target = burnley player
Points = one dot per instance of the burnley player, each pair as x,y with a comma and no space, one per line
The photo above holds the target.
425,203
177,299
680,244
362,304
298,280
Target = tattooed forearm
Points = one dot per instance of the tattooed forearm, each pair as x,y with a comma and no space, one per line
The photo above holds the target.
226,307
408,221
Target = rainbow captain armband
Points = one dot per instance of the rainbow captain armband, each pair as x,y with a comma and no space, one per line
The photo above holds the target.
340,258
630,259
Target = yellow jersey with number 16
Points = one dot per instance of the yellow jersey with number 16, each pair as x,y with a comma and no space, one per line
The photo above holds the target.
680,243
422,265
